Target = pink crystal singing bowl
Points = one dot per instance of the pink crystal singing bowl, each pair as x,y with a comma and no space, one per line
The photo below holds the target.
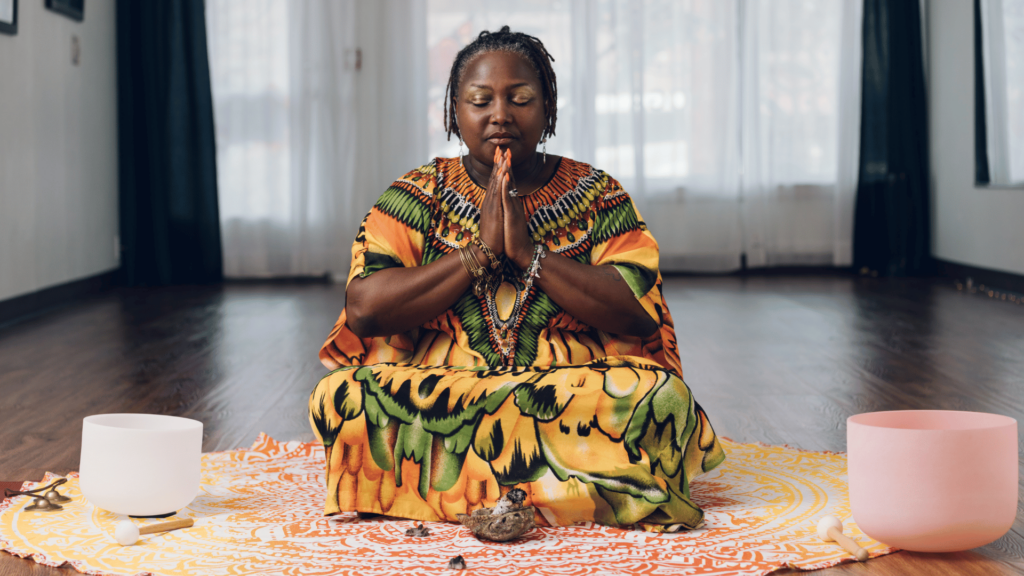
933,480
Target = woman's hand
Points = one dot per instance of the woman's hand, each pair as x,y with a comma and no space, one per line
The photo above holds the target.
517,242
492,215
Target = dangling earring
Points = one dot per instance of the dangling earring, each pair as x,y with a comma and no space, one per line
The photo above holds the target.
455,123
545,149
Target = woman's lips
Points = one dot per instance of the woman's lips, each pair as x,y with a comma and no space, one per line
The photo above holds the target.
501,139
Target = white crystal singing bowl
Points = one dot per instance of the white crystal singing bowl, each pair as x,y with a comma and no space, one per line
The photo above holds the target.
140,464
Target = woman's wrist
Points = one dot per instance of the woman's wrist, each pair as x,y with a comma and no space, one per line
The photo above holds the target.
480,257
522,258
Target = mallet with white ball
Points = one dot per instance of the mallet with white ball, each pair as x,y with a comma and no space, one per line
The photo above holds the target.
127,533
831,529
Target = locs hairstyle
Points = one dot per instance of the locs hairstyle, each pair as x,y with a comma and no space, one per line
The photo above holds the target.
504,40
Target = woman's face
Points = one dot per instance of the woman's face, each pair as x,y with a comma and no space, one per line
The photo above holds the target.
500,103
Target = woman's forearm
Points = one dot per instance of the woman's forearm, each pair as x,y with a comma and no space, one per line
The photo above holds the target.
394,300
595,295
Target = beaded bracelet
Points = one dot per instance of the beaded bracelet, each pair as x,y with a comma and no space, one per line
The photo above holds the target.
539,252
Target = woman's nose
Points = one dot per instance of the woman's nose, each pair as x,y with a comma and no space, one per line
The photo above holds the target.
501,114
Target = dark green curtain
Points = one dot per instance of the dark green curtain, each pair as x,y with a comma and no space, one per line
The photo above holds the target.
170,226
891,223
981,175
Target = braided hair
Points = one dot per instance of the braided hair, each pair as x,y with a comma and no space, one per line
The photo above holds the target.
504,40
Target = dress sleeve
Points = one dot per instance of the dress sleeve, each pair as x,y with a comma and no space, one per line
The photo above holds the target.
621,239
393,234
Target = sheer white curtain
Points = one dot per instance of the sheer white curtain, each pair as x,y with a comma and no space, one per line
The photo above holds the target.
283,80
1002,23
800,130
733,123
318,107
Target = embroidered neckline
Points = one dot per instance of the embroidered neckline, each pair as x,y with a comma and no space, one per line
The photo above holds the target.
550,218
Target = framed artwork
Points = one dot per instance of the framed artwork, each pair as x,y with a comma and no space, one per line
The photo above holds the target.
9,17
74,9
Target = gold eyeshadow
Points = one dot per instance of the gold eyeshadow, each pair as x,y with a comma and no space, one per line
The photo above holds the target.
478,95
481,95
523,94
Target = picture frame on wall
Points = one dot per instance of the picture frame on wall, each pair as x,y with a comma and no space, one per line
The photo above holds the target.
74,9
9,17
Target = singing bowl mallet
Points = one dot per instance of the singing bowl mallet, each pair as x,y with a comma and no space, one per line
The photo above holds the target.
127,533
831,529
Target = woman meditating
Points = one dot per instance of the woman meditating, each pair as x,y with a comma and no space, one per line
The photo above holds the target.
505,327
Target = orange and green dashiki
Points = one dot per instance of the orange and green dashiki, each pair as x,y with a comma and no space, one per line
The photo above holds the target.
506,389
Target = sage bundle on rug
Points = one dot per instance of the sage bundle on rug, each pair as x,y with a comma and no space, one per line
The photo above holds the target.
508,520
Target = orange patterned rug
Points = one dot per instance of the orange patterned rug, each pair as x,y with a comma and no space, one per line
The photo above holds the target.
260,512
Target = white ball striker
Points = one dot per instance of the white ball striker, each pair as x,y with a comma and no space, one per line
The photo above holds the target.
126,533
830,529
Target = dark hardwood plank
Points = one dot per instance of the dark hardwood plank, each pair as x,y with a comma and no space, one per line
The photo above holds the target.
919,564
779,359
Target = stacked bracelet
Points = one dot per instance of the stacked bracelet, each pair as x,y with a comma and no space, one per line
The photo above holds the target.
487,252
539,252
476,272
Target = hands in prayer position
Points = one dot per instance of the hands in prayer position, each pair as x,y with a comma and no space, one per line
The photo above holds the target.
502,216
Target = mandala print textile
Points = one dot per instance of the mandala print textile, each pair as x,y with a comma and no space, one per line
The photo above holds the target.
505,389
259,511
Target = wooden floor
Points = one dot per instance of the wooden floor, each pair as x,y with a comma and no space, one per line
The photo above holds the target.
779,359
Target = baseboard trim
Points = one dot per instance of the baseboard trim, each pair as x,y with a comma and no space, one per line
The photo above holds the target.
322,279
1004,281
771,271
27,305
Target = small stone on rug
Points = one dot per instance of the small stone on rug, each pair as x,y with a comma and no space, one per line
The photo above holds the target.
457,563
419,531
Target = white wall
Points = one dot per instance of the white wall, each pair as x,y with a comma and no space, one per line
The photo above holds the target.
982,227
58,149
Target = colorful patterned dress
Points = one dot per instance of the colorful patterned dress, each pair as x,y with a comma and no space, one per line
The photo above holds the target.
506,389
